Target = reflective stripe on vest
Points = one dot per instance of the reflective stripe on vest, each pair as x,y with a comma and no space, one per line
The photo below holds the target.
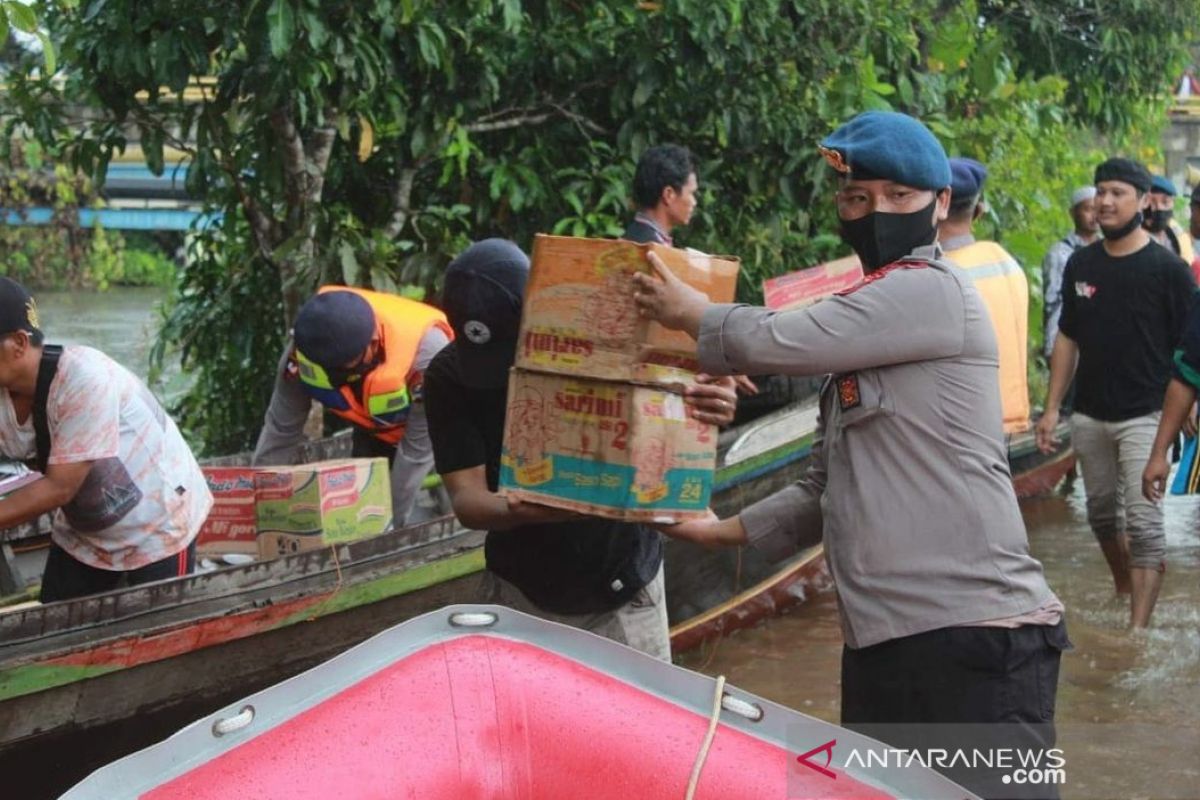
400,324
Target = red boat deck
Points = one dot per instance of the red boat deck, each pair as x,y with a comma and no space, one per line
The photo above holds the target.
481,716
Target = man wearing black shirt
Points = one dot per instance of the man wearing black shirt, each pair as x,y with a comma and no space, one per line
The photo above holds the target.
597,574
1124,303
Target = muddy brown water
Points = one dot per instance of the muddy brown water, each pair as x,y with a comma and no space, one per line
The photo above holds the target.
122,322
1128,703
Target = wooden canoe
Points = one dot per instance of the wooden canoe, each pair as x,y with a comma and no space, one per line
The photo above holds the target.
83,663
78,664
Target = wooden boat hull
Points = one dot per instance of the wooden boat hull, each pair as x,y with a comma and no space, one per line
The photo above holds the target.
475,701
74,665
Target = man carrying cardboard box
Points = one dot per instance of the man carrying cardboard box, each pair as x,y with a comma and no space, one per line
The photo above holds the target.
946,615
597,574
362,355
129,495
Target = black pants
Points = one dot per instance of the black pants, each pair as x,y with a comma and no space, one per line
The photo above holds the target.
960,688
65,577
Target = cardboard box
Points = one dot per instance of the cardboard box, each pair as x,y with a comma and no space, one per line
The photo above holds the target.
580,318
232,524
315,505
609,449
807,286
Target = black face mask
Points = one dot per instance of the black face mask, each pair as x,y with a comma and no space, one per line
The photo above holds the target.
1115,234
881,239
344,376
1158,219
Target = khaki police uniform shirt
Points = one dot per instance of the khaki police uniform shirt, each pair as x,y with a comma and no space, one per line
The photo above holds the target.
909,484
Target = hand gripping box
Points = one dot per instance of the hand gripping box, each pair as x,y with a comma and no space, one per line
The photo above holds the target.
580,319
605,448
315,505
232,524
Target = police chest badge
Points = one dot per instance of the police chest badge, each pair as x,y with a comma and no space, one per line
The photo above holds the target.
848,395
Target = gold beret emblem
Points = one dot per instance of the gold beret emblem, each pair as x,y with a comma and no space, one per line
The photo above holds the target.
835,158
31,314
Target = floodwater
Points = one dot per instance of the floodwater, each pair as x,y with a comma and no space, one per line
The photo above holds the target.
1128,703
122,322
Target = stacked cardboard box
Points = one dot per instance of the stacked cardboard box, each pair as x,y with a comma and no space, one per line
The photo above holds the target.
315,505
232,525
596,420
276,511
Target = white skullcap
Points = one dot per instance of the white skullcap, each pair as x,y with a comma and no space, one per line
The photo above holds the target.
1083,193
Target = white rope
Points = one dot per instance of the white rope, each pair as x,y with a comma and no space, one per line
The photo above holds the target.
713,719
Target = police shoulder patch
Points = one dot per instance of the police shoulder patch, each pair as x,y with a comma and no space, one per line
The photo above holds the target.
847,390
882,272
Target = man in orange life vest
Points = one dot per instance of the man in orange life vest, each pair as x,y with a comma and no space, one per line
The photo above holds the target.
362,355
1000,281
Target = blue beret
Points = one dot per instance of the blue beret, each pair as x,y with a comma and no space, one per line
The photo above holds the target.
967,177
1163,185
334,328
890,146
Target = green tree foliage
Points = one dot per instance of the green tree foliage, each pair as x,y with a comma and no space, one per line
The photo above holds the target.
369,142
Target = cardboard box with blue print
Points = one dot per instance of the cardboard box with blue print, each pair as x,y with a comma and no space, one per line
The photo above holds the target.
316,505
596,422
605,448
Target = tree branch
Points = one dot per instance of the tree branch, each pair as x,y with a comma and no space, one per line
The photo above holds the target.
294,162
401,202
318,150
507,124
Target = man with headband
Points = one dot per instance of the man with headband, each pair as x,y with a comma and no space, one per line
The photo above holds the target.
947,617
1124,303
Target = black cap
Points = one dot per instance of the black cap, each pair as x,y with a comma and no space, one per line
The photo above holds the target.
333,328
482,297
18,311
1125,170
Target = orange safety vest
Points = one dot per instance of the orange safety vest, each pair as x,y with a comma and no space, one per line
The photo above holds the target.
1005,290
383,400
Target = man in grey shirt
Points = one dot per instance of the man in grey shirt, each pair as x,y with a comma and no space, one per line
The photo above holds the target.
946,615
1083,214
362,355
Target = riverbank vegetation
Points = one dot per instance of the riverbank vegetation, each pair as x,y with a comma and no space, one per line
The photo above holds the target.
58,252
367,143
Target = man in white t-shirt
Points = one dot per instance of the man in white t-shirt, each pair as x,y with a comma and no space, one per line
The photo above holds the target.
128,495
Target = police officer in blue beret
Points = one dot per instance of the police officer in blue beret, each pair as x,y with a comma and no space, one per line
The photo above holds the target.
947,617
1158,219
